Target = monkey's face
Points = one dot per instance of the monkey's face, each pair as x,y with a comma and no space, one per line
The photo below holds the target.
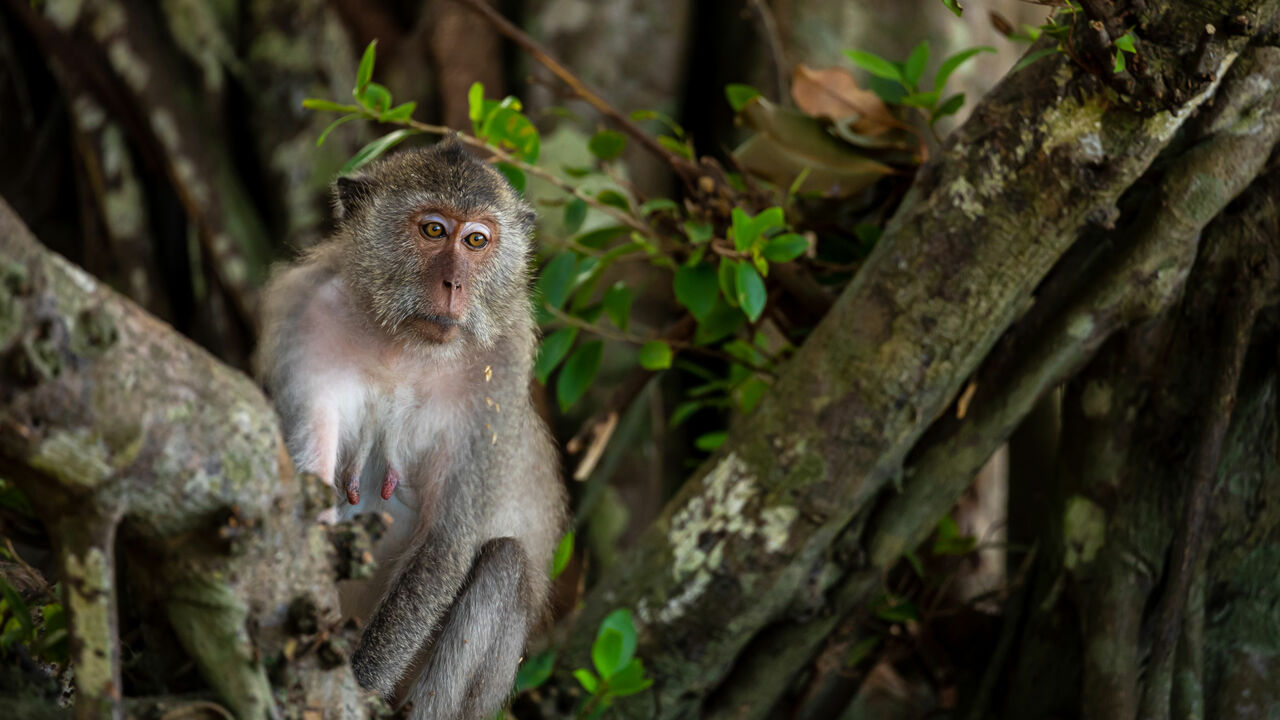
452,250
438,246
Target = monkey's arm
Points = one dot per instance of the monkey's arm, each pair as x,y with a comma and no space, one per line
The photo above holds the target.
412,608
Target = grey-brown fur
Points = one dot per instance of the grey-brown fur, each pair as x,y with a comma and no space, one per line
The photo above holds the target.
459,591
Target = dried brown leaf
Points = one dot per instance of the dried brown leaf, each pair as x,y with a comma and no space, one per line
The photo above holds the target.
833,94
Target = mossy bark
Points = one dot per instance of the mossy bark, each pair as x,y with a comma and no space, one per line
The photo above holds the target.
1049,151
108,416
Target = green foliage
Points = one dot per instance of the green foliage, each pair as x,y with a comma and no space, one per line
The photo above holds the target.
371,151
578,372
739,95
1124,44
948,540
904,79
607,144
564,551
655,355
618,672
535,671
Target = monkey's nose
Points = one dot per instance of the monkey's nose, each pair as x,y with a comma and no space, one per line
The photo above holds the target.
454,290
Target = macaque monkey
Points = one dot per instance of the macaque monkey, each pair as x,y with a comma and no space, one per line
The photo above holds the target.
398,354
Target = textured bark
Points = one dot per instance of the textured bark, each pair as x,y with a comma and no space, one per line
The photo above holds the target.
112,424
1047,151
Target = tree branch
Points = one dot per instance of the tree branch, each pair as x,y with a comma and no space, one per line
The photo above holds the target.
685,169
955,267
106,414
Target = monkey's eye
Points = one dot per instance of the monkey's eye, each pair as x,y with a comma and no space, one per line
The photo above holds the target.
475,240
433,229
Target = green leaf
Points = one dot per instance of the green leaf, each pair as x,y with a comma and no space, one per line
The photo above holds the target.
509,129
475,103
655,355
629,680
657,204
949,541
742,230
17,607
564,551
695,288
587,680
769,219
607,144
619,622
727,277
710,441
924,100
574,213
720,322
868,233
1126,42
697,232
346,118
1033,56
667,120
365,72
556,280
578,372
371,151
613,198
899,612
679,147
748,394
606,652
751,293
953,6
1119,66
739,95
913,68
376,97
950,65
329,105
552,350
399,113
861,650
598,238
514,175
683,412
617,304
914,561
949,107
535,671
876,65
785,248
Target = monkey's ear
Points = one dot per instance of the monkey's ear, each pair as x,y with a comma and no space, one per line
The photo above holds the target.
350,192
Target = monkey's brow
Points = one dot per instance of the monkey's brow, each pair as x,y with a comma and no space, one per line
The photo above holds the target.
460,216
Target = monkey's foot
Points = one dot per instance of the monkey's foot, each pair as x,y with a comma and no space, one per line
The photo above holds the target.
389,483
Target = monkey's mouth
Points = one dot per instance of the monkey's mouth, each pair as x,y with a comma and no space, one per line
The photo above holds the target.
435,328
444,320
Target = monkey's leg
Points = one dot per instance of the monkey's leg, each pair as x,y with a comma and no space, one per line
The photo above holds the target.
472,663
